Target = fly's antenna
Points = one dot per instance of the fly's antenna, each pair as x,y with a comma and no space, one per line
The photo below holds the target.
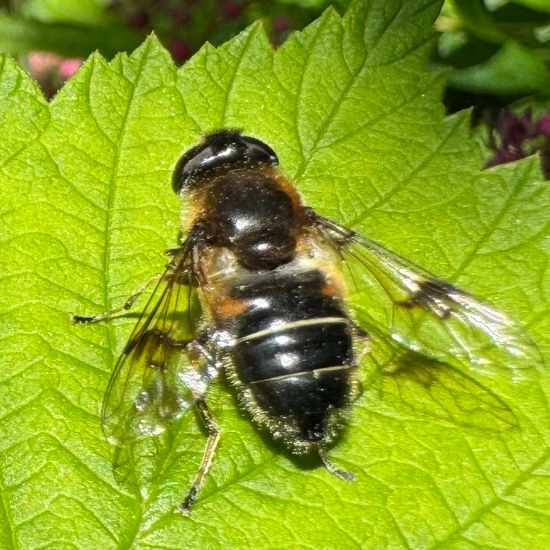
333,469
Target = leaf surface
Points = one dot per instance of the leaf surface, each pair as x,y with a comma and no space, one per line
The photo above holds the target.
87,211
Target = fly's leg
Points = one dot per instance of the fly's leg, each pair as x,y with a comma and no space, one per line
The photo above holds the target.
206,463
363,342
361,345
106,315
344,475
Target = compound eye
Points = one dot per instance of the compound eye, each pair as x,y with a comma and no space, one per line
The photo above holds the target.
195,162
228,149
258,151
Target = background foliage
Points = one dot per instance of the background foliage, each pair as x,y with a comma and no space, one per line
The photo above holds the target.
87,211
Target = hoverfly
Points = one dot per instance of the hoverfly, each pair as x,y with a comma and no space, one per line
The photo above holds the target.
256,289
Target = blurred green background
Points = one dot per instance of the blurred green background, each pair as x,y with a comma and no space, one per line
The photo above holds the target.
496,53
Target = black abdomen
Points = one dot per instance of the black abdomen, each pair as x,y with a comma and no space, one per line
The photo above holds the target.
294,350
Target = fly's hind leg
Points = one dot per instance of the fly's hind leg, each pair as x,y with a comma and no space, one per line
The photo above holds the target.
344,475
106,315
206,463
361,346
362,341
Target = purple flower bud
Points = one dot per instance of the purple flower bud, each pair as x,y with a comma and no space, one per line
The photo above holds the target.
232,9
180,50
281,24
515,130
502,156
182,16
543,125
138,20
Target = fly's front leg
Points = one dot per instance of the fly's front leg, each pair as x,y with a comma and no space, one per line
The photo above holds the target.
209,452
106,315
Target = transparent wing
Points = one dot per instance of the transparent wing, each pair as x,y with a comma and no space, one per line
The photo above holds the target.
429,388
157,379
427,315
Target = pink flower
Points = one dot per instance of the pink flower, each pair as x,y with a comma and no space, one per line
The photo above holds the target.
42,62
68,67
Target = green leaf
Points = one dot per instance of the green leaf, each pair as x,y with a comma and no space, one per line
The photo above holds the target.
87,212
315,4
513,70
476,18
84,12
19,35
541,5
